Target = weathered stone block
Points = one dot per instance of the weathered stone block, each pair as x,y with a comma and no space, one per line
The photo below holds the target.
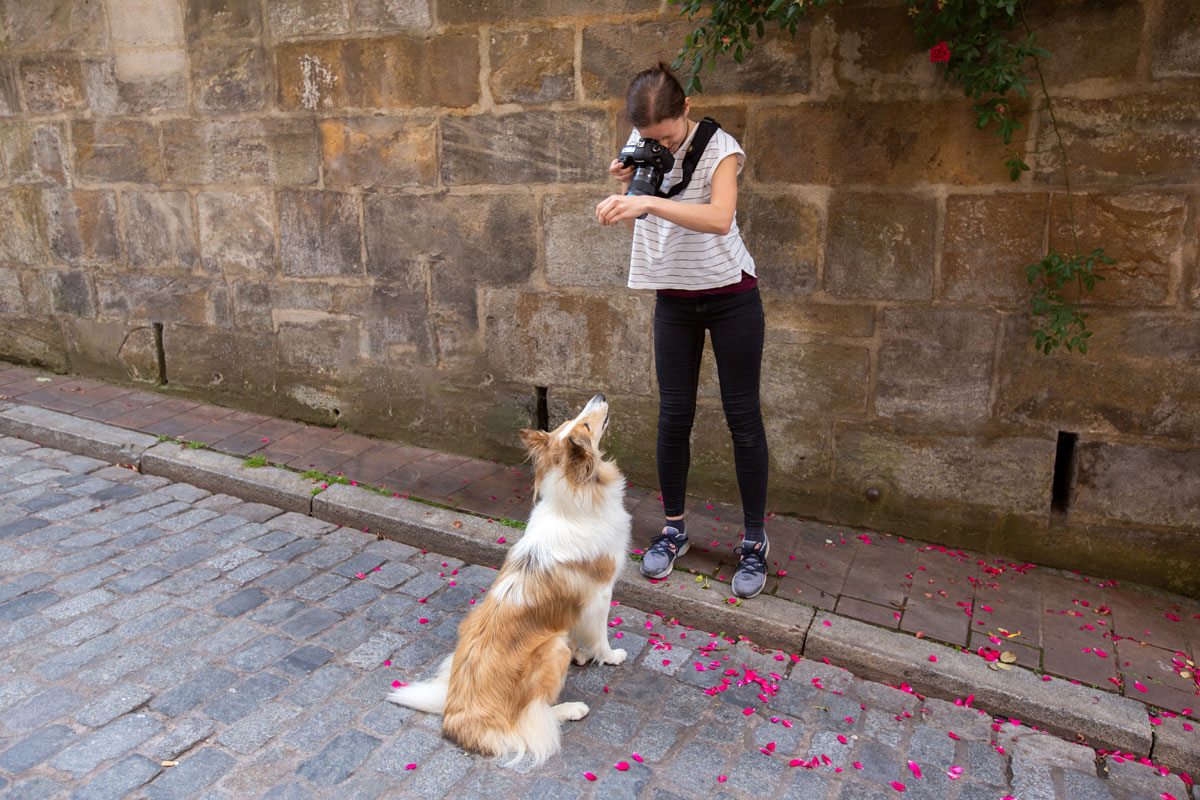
794,321
806,381
230,76
56,25
316,345
881,143
302,17
532,66
113,350
396,320
457,12
556,339
579,250
23,234
159,230
53,83
236,362
513,148
988,241
133,297
799,449
880,245
116,150
390,72
237,232
1008,473
319,233
384,15
12,299
1144,232
1177,44
71,293
34,152
935,365
1106,391
876,54
234,19
614,53
37,341
1151,136
1088,40
272,150
82,225
379,151
148,81
783,234
145,23
252,305
1139,483
10,95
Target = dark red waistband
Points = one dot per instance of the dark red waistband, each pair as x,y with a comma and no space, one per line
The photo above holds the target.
747,283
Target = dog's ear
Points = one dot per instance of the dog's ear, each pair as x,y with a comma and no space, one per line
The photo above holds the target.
535,441
581,459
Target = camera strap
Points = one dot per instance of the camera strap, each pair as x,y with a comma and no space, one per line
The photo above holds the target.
705,129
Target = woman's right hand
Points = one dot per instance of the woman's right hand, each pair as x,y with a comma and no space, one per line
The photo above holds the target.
623,174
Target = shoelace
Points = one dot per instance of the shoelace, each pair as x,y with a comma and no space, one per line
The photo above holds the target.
663,541
751,559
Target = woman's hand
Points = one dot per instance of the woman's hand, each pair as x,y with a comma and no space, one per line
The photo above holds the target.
618,207
623,174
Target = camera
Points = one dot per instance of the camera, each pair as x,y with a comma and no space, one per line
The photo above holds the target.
651,161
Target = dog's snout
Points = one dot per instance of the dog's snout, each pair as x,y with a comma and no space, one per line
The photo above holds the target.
599,398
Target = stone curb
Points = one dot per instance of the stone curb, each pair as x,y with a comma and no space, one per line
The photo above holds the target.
225,474
73,434
1176,747
1102,719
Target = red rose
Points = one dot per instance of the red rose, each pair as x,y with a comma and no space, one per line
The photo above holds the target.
940,52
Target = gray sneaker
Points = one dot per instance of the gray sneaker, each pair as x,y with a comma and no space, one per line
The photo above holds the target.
660,556
751,573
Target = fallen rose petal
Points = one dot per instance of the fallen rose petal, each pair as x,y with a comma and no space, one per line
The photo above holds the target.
410,766
501,540
857,765
747,711
933,659
721,779
590,776
1141,687
636,757
899,787
621,766
915,768
423,621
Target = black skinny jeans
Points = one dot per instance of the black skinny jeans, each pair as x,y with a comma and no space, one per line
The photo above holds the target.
736,323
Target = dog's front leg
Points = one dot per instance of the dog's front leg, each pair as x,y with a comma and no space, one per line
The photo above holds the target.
589,638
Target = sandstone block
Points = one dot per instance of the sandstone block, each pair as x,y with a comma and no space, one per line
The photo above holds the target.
1088,40
1143,231
1177,44
876,54
237,232
119,351
230,76
887,143
396,320
23,234
211,19
53,83
303,17
235,362
141,298
811,380
783,234
379,151
1008,473
987,242
71,293
12,300
799,450
800,322
145,23
319,233
10,95
458,12
82,226
277,151
532,66
148,81
513,148
116,150
315,345
1146,137
37,341
556,339
1139,483
56,25
935,365
34,152
159,230
384,15
614,53
880,245
579,250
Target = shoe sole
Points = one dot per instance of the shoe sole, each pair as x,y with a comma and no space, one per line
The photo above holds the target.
670,566
766,552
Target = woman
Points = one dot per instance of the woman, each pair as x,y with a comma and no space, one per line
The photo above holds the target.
689,250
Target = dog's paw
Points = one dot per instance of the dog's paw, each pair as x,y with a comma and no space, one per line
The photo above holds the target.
568,712
581,657
615,657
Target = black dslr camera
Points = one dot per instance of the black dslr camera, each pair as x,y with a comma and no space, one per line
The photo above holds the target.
651,161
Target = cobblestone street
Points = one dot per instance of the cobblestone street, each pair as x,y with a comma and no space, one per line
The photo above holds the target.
159,641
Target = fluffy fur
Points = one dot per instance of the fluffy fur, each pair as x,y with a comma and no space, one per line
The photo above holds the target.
499,691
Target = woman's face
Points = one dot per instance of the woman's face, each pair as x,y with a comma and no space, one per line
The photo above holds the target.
671,132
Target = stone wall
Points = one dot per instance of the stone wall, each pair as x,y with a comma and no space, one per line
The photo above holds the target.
378,213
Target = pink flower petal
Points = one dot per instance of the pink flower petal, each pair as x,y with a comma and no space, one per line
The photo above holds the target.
721,779
636,757
501,540
899,787
410,766
915,768
621,766
423,621
747,711
591,776
933,659
1141,687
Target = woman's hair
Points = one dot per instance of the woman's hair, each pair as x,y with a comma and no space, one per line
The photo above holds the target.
654,95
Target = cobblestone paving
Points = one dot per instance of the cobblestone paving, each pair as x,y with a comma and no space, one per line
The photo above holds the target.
157,641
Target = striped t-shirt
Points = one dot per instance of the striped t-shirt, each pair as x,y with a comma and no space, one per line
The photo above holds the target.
669,256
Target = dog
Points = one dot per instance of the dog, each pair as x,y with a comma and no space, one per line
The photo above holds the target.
498,692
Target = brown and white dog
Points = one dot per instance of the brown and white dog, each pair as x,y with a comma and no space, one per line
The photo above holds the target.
499,690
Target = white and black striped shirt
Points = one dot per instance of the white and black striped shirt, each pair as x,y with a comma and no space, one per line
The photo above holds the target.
669,256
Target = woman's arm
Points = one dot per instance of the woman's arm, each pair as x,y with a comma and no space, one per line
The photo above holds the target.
712,217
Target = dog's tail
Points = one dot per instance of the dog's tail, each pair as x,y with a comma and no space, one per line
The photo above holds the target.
428,696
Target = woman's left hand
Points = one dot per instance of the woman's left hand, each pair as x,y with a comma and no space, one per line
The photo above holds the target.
618,207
